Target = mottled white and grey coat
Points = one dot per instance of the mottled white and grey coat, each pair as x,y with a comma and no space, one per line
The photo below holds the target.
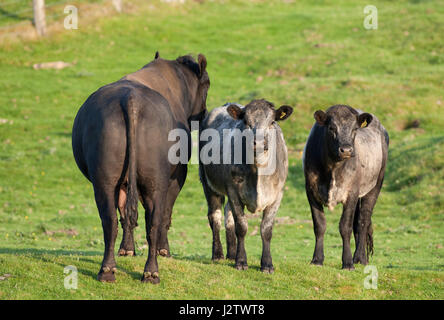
344,162
244,183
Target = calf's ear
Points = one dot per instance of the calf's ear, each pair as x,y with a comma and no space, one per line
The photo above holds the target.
235,112
156,56
364,119
202,63
320,117
283,113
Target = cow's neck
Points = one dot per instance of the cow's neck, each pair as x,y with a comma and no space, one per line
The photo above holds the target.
165,80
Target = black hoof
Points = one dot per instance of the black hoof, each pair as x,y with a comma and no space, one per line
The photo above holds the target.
267,269
164,253
241,266
218,256
360,260
348,267
317,262
149,277
106,274
126,253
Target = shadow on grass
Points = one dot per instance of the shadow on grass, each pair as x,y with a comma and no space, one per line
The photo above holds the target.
40,254
7,14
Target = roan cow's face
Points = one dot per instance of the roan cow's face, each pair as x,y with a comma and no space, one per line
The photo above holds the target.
259,116
341,124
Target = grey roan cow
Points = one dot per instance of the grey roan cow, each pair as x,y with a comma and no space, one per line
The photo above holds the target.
244,182
344,162
120,143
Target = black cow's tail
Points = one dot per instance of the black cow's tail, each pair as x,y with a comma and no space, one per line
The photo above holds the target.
130,108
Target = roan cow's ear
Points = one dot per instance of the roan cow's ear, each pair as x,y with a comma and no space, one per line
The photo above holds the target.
283,113
364,119
320,117
156,56
235,112
202,64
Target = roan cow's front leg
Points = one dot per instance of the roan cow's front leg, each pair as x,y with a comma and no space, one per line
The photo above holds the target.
241,227
266,234
345,228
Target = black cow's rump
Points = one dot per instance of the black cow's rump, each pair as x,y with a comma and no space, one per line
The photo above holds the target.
120,143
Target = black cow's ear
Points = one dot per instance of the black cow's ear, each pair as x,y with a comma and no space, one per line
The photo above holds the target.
283,113
320,117
202,64
156,56
235,112
364,119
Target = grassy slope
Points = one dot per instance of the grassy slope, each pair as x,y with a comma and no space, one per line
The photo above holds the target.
307,55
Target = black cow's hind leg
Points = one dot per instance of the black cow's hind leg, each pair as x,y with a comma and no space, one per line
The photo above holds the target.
127,247
154,211
106,203
176,185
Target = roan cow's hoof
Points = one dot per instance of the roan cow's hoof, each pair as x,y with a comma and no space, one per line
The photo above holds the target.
151,277
106,274
124,252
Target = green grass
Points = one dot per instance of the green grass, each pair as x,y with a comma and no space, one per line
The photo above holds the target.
303,54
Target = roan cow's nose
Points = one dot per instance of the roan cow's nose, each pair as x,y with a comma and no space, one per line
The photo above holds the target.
346,151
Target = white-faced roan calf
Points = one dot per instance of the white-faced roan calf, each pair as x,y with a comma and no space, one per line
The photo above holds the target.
245,183
344,162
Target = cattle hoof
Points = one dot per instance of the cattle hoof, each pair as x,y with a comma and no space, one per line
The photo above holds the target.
149,277
348,267
317,263
362,261
106,274
241,266
231,256
217,257
129,253
164,253
269,270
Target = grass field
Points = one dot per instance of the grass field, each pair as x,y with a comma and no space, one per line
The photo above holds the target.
307,54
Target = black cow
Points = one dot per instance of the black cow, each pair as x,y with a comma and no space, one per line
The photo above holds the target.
257,184
344,162
120,143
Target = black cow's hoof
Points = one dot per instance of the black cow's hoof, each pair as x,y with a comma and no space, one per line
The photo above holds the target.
149,277
360,260
216,257
241,266
348,267
164,253
106,274
267,269
317,262
126,253
231,256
